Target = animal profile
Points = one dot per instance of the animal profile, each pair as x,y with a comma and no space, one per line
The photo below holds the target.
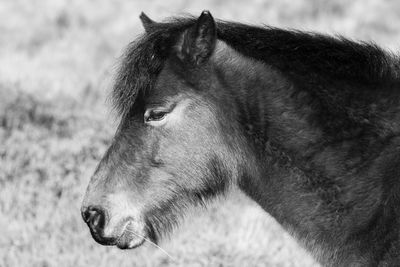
307,125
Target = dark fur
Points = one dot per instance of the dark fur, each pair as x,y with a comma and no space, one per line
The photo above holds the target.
161,220
323,125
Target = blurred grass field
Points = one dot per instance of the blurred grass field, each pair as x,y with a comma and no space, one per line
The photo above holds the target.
57,61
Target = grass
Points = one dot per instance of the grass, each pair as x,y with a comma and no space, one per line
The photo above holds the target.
57,63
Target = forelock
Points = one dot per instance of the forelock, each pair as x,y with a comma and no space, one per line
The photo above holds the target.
142,62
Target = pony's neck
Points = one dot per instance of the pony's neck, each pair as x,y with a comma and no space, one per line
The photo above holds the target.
277,133
258,93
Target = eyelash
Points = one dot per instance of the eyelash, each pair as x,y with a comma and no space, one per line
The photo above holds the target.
155,116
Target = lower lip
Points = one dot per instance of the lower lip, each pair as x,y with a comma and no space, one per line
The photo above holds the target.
133,244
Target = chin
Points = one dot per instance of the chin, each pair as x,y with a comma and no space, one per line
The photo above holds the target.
131,237
130,244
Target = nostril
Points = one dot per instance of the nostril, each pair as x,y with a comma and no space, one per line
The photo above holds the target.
94,217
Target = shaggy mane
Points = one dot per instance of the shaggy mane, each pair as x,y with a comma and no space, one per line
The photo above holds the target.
308,59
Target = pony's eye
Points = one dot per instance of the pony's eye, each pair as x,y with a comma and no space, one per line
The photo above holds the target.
154,116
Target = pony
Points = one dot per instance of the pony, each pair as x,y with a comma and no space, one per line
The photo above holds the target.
307,125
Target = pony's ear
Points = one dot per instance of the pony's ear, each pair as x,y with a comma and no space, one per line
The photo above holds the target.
198,42
147,22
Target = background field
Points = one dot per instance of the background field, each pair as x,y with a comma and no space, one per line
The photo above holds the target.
57,60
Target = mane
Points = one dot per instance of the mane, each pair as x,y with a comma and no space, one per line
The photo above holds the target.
306,58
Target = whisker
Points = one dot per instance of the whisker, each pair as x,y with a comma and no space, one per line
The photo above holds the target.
151,242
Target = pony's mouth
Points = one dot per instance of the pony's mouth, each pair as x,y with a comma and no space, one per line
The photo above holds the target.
129,238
